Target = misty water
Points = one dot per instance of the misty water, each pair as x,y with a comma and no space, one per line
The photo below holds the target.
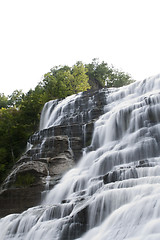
114,191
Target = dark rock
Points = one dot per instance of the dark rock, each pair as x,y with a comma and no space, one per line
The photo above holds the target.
126,172
17,200
76,225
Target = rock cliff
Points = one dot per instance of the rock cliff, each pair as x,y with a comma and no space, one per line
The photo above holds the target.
65,130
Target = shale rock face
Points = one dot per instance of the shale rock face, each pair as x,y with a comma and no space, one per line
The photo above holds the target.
31,177
52,151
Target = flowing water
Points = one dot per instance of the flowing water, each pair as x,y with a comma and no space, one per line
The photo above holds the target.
114,191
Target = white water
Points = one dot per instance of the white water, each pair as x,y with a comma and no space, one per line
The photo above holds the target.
53,111
117,184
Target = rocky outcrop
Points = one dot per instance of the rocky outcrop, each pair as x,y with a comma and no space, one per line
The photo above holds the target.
34,174
51,152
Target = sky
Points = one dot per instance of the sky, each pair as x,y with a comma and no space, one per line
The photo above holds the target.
36,35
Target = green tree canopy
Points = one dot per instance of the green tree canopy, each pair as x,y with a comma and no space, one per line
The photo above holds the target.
100,73
3,101
15,99
63,81
13,136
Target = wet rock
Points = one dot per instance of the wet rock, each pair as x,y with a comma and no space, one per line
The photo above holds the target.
17,200
76,225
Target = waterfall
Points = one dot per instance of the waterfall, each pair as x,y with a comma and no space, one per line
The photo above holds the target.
55,111
114,191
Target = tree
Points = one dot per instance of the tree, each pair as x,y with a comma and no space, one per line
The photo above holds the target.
3,101
31,107
97,73
80,79
15,98
118,78
13,136
63,81
100,73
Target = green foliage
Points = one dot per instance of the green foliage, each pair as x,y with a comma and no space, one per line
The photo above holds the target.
80,78
63,81
31,107
97,73
15,99
3,101
100,73
3,165
118,78
13,136
24,180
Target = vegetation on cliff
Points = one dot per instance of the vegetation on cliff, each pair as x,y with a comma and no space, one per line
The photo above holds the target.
20,112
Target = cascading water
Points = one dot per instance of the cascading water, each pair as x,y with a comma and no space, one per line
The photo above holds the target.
53,118
114,191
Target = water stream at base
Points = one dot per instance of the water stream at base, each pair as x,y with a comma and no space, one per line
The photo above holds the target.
114,191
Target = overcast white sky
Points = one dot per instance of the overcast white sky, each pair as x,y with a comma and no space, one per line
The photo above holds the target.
36,35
